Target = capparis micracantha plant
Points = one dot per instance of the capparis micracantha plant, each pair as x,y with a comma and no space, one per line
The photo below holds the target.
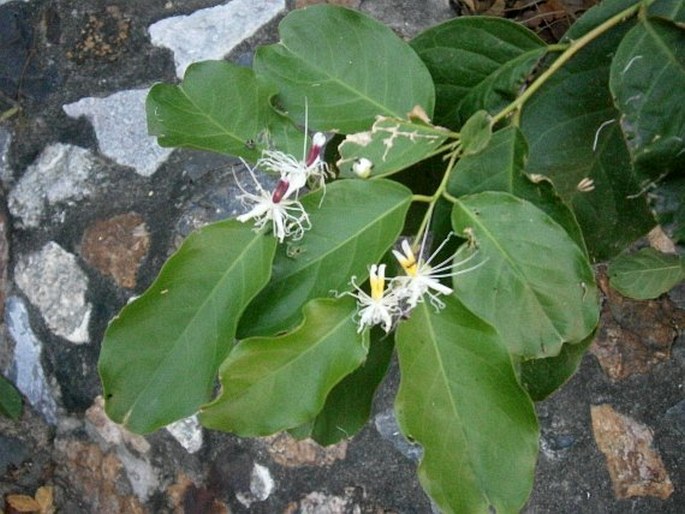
442,199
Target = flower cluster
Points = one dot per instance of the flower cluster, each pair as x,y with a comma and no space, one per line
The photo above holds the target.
386,305
281,206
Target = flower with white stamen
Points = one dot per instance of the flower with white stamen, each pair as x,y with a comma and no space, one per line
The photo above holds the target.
422,278
312,170
378,308
288,218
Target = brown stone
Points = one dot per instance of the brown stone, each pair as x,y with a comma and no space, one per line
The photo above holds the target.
288,451
117,246
186,497
95,475
634,335
635,468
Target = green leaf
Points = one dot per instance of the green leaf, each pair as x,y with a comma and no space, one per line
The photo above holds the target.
391,145
354,226
476,133
459,398
500,167
648,81
477,63
270,384
10,400
541,377
673,10
159,357
646,274
347,67
573,133
348,405
220,107
535,285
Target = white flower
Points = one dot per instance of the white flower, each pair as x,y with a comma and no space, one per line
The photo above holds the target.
288,218
422,278
379,308
312,170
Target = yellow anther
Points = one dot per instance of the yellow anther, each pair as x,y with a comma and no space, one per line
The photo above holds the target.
377,280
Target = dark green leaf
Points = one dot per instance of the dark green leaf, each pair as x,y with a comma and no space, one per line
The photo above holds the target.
391,145
346,66
459,398
535,285
10,400
500,167
477,63
221,107
354,226
541,377
646,274
269,384
573,133
673,10
348,405
160,356
648,84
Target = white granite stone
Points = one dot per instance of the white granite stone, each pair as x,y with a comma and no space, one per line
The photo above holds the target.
121,128
212,33
261,486
26,370
61,175
188,433
53,282
5,142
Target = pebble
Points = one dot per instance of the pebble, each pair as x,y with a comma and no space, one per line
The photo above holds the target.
212,33
261,486
26,369
54,283
188,433
117,246
120,126
60,176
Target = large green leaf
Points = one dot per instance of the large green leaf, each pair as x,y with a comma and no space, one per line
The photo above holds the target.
535,286
159,357
648,84
541,377
221,107
477,63
459,398
354,226
10,400
646,274
269,384
391,145
346,66
500,167
348,405
573,133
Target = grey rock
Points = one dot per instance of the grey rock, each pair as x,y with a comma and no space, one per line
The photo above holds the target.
261,486
188,433
62,174
53,281
26,370
143,477
386,425
120,126
212,33
5,142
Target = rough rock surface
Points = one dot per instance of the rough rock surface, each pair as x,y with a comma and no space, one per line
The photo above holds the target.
94,208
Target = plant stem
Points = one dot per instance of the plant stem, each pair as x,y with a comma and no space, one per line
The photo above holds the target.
433,199
569,50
